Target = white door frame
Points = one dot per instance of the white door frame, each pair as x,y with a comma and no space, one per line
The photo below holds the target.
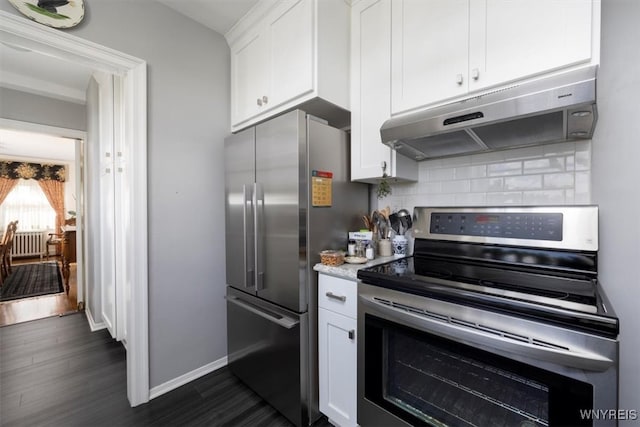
39,38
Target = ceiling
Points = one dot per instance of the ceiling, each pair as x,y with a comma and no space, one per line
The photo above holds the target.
36,146
219,15
48,76
35,73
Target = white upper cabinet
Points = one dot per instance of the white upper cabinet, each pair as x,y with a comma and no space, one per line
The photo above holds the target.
371,94
430,51
285,53
291,56
250,81
443,49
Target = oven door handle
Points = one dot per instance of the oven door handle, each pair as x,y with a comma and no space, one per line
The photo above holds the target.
470,334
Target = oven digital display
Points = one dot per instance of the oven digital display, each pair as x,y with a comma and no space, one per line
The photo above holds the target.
487,219
531,226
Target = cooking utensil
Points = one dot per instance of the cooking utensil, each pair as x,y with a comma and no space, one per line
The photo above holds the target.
368,222
385,229
376,219
394,221
405,219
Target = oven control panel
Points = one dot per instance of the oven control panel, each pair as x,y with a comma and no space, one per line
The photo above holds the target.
525,225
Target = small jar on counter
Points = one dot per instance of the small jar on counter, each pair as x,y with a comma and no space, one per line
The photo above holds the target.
369,252
351,248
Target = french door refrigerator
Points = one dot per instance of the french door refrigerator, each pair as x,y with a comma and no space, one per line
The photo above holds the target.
288,196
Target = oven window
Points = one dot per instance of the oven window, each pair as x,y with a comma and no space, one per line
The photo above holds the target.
428,380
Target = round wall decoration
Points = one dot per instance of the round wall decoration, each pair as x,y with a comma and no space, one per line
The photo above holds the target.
54,13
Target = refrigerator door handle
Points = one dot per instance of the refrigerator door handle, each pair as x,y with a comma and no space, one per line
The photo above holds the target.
258,202
247,207
276,318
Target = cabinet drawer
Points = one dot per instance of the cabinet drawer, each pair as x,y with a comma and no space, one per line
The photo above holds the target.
338,295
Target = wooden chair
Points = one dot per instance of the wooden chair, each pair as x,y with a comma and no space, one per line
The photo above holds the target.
5,250
55,239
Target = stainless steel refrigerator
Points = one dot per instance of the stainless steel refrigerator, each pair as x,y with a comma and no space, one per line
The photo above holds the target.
288,196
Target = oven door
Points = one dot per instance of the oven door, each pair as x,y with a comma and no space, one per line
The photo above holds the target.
428,362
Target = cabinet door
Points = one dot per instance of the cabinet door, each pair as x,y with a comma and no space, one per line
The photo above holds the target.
370,86
429,49
249,76
371,93
337,367
291,59
512,39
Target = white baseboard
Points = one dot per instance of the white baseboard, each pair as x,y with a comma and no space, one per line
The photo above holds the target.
92,324
186,378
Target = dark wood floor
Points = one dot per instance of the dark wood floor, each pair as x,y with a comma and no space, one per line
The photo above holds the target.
55,372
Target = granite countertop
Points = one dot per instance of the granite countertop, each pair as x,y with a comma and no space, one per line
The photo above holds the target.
350,271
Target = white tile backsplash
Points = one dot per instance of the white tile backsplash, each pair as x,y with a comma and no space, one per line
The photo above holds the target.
583,159
559,180
541,175
458,186
545,165
487,184
465,172
504,168
523,182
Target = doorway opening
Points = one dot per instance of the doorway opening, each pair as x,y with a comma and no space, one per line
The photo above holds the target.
36,257
132,104
38,285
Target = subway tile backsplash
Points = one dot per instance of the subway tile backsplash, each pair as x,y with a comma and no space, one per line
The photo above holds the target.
543,175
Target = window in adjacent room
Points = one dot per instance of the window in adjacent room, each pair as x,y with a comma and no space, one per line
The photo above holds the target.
28,204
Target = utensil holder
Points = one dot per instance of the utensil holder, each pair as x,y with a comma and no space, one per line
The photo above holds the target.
384,247
400,244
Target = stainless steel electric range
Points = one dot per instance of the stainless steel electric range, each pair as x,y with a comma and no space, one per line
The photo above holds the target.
498,319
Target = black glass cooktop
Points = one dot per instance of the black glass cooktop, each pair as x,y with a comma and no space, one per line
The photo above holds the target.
571,291
571,300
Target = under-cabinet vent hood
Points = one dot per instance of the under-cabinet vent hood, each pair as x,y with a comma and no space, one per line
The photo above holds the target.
552,109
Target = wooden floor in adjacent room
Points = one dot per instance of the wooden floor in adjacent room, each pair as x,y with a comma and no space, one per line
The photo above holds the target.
39,307
56,372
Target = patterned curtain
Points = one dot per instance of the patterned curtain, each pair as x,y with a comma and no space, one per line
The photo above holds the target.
54,190
17,170
6,185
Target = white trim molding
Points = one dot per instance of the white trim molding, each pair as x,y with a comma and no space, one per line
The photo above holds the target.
39,128
24,33
188,377
92,323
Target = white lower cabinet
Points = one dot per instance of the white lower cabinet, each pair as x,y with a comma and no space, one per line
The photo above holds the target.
337,354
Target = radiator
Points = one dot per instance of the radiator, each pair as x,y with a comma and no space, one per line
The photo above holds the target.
29,243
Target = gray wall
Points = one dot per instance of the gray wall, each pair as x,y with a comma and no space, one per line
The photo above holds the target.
616,182
188,118
27,107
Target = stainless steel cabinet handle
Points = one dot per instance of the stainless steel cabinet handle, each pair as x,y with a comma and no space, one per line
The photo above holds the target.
459,79
475,74
265,99
352,334
259,102
283,321
336,297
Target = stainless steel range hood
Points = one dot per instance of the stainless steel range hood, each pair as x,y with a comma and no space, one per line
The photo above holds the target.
552,109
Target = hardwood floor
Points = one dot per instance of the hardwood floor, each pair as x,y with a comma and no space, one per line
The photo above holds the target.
27,309
55,372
